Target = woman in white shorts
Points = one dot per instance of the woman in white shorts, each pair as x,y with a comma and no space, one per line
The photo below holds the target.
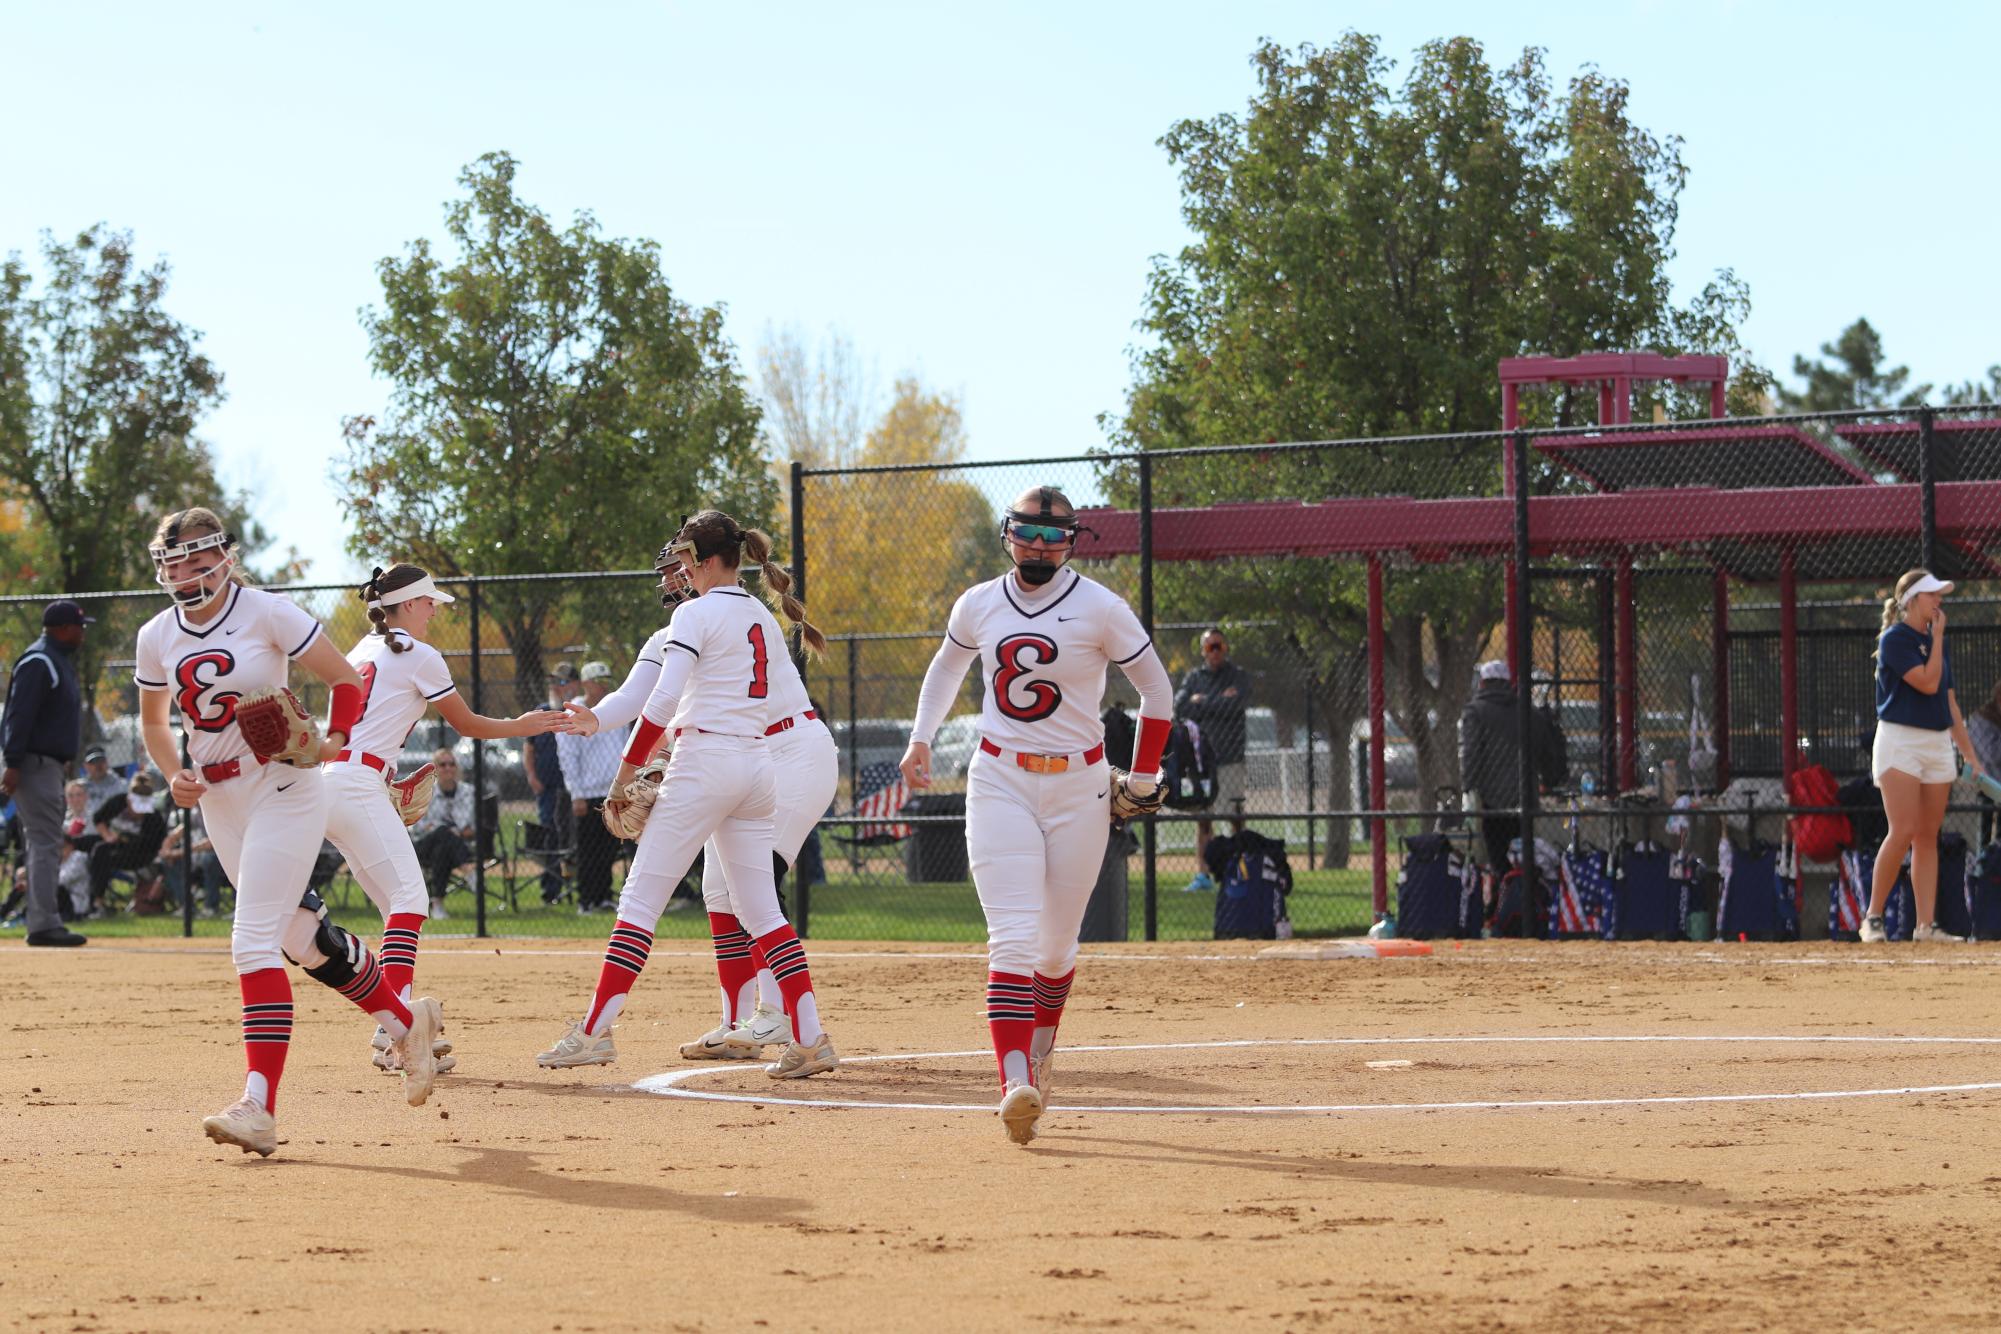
1917,727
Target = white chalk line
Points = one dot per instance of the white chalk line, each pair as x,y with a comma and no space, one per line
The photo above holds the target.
670,1084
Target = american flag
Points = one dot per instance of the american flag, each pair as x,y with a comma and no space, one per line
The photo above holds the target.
883,794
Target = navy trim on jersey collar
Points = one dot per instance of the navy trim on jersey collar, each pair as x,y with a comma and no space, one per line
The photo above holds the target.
1007,591
235,593
733,592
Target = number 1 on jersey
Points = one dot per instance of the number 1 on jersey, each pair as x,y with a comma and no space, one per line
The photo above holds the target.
760,682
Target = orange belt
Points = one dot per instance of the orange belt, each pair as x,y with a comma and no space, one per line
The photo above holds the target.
1045,764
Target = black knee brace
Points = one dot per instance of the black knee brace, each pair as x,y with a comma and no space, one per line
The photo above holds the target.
345,953
779,866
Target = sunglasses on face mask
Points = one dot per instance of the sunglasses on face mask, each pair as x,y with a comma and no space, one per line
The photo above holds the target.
1038,532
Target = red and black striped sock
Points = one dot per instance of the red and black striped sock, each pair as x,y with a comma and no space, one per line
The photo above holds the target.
1050,995
267,1032
370,990
736,970
1011,1020
399,950
786,958
624,959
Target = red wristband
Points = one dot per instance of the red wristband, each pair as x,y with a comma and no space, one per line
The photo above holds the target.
345,711
1152,744
645,740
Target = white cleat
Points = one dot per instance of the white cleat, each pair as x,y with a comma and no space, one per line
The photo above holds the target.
1020,1109
1936,934
1873,932
420,1064
577,1047
765,1028
716,1045
800,1060
246,1125
390,1062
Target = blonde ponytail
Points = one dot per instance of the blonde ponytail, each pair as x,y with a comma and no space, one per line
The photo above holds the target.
777,588
1893,606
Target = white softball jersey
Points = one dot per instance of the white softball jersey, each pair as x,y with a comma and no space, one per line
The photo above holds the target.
722,654
787,698
209,667
396,690
1044,656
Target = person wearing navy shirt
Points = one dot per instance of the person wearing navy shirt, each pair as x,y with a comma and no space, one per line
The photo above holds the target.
40,733
1918,724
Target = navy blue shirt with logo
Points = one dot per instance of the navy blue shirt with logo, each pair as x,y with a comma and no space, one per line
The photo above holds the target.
1897,701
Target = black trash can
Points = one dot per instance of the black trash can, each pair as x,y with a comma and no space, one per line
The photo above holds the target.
936,853
1105,914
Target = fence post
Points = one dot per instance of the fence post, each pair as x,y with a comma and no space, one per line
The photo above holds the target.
1150,837
854,749
187,849
1379,796
799,562
1927,491
803,890
478,773
1311,686
1523,643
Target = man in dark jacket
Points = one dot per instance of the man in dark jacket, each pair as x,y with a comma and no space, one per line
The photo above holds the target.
40,734
1490,754
1214,697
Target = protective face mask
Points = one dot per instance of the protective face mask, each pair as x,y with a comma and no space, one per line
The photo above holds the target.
1037,572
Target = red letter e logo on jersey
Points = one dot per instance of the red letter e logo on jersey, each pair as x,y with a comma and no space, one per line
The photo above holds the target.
1017,656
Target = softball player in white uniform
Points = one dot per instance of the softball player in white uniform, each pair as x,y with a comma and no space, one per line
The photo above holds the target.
402,676
1038,789
806,764
218,641
712,696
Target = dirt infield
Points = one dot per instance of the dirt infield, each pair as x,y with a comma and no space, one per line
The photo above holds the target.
524,1199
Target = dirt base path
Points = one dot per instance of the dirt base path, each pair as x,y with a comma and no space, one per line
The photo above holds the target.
1772,1184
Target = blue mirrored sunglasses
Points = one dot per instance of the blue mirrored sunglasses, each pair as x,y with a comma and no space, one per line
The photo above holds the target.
1038,532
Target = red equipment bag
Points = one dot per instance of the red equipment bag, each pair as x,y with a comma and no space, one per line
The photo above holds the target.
1818,838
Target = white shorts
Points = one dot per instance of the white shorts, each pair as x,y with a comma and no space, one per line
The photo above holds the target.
1919,751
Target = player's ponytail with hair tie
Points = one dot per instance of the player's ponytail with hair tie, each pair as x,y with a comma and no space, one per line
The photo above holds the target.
778,585
371,593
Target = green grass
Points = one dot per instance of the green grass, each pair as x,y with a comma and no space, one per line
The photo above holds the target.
877,904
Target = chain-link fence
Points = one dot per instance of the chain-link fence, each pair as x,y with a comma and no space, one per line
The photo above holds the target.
1696,604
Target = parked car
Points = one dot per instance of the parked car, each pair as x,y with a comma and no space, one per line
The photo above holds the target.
952,749
872,740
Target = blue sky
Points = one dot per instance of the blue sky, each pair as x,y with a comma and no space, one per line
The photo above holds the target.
969,193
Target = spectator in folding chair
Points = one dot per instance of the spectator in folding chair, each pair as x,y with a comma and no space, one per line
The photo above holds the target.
129,832
444,836
101,782
207,866
1983,726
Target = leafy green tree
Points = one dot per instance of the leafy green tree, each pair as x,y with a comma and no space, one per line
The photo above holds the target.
554,407
101,390
1854,376
1364,253
1975,391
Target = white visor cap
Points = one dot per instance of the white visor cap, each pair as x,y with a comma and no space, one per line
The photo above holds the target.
423,588
1931,583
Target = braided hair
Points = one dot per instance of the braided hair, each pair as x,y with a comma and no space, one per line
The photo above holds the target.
388,581
717,534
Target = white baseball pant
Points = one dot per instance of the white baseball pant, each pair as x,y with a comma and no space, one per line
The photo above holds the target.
363,824
806,767
717,787
1035,842
267,824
